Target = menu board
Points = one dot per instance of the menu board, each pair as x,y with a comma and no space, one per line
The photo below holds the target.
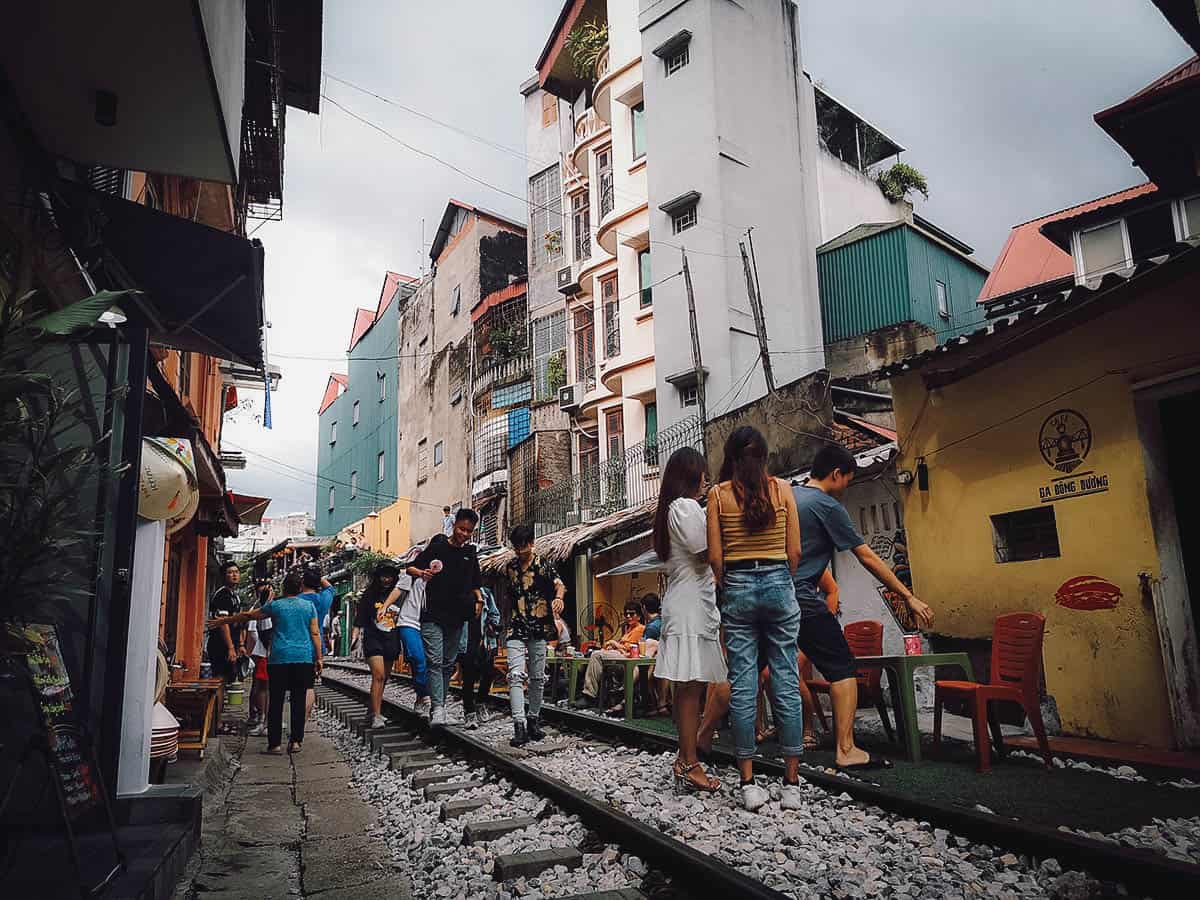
52,687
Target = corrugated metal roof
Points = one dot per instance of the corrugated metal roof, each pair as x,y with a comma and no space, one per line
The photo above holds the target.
363,320
1029,258
858,233
1012,328
333,389
1186,72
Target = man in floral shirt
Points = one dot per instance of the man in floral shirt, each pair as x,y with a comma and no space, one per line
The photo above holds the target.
536,594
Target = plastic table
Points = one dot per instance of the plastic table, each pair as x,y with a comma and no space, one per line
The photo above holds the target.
573,665
631,665
900,671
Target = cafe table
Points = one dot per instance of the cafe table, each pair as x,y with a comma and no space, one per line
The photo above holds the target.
572,664
900,669
631,664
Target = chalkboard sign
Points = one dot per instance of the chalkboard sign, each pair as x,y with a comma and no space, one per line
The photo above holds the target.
52,687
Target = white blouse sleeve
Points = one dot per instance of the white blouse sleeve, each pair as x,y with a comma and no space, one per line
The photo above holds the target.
688,525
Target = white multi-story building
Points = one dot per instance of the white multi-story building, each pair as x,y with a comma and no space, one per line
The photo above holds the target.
270,531
694,124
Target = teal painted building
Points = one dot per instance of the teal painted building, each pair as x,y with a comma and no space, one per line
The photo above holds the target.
876,276
358,430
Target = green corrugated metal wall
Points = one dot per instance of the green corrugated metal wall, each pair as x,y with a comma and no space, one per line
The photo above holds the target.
889,278
864,285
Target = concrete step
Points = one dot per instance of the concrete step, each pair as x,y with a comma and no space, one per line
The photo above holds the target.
435,791
398,747
517,865
424,779
452,809
392,733
481,832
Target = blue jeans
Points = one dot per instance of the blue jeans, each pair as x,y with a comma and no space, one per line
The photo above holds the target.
441,650
414,655
518,652
760,605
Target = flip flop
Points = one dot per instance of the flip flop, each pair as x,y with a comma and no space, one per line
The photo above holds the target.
811,742
873,762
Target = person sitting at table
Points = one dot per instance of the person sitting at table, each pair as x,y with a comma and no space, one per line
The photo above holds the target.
618,648
826,528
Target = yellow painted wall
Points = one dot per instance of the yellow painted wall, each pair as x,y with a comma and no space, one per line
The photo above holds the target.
1104,667
386,531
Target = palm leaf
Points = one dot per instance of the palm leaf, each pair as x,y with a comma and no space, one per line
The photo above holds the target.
80,315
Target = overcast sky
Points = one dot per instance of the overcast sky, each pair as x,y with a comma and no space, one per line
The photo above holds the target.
993,102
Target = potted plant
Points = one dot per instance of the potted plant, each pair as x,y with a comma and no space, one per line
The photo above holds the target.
585,43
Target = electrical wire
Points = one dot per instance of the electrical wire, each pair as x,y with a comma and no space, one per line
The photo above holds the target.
487,184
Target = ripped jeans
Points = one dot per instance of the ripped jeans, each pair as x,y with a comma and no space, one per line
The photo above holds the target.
518,652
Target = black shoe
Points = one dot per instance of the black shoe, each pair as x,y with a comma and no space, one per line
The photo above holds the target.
520,738
583,701
533,726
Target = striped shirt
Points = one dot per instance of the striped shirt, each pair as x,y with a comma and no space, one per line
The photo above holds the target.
740,543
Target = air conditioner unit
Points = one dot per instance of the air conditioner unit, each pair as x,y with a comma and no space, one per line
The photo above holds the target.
570,396
564,277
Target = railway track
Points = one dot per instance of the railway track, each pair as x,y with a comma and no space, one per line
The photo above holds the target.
576,772
473,781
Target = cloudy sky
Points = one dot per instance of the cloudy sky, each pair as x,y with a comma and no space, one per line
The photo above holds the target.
992,101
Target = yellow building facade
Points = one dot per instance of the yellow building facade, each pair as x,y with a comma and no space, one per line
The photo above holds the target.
1060,418
388,530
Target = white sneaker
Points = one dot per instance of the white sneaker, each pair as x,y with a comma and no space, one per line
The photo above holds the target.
423,708
793,797
754,797
483,716
439,716
472,721
258,730
378,722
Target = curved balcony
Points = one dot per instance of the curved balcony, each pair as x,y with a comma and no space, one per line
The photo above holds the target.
627,224
599,264
622,83
590,130
572,178
603,86
628,378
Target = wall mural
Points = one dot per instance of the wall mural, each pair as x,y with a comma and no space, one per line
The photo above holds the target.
1087,593
894,603
1065,440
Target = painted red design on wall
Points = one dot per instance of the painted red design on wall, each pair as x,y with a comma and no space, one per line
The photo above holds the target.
1087,593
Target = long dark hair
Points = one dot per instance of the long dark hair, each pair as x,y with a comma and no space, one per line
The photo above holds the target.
682,476
375,592
745,466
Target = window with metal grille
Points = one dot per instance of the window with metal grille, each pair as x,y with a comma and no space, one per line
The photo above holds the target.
582,225
690,395
422,460
589,471
185,374
677,61
379,467
585,347
545,217
549,341
512,394
354,414
455,299
652,434
612,316
683,220
614,432
489,527
1025,534
106,180
604,174
491,445
353,484
644,278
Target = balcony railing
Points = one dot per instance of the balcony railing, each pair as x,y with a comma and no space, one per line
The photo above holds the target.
615,484
602,64
587,125
488,374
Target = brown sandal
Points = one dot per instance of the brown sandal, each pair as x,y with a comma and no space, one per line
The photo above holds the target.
685,783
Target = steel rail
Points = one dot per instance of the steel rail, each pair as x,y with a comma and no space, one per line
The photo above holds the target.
1151,872
698,871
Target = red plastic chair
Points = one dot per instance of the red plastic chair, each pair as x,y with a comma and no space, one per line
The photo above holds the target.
1016,672
865,639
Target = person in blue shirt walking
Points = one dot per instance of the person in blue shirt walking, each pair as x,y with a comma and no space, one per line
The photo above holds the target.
294,659
319,592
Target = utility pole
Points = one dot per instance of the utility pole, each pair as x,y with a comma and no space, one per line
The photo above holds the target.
760,321
696,364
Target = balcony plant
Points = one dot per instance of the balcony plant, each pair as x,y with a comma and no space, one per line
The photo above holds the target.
585,43
901,180
556,373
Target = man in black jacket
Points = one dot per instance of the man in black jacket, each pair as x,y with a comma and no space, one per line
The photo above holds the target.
450,569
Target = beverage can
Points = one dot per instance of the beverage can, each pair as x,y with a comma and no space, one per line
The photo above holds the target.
912,645
635,651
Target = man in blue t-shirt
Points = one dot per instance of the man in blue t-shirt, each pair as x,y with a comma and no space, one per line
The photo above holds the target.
319,592
825,529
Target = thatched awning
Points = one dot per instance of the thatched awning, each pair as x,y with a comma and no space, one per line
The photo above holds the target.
559,545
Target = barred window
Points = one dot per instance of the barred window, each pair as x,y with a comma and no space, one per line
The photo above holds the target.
581,216
612,317
545,217
491,445
549,342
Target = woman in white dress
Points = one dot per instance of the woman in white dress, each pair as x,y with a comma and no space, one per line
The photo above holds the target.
689,653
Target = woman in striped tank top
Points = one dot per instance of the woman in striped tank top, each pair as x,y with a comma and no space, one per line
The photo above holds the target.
753,548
